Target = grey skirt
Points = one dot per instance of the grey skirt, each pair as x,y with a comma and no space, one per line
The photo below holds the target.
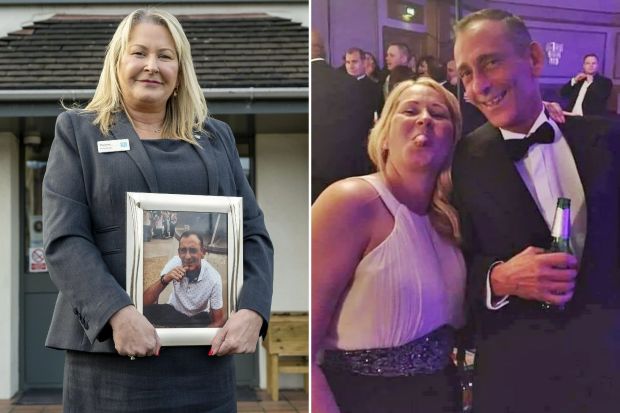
181,379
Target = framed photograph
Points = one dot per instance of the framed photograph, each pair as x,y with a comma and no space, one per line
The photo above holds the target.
184,263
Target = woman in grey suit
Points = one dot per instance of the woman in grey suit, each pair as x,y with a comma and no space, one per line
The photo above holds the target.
149,108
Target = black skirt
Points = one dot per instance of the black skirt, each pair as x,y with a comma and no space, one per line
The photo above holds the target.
180,379
425,393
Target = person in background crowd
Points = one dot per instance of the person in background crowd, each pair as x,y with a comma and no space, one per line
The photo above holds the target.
452,77
400,74
354,63
432,67
371,66
371,90
159,226
341,118
413,64
173,223
397,54
472,117
148,230
422,68
588,91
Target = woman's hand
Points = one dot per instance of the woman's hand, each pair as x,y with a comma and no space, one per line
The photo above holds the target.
239,334
133,334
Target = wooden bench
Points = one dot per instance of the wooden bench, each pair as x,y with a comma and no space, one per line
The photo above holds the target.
286,344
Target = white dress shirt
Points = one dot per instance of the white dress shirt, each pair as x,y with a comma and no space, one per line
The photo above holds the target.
549,172
578,109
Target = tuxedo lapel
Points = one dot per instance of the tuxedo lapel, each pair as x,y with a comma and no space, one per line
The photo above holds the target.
122,129
501,183
591,159
595,168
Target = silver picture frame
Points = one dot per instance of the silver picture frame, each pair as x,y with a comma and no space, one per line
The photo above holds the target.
151,241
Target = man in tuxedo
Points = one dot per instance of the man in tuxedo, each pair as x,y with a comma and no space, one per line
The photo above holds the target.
531,358
398,54
354,62
341,120
588,91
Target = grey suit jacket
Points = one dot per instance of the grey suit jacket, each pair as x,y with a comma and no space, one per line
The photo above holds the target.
84,224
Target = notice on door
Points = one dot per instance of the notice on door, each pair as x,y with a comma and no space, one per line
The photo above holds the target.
36,258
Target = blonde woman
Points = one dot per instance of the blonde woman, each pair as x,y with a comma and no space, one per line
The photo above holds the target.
149,101
387,276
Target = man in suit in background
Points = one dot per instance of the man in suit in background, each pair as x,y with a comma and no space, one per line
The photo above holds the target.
354,62
588,91
531,359
341,120
398,54
472,117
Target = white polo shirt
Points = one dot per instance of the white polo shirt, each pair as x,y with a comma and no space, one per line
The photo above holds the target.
191,298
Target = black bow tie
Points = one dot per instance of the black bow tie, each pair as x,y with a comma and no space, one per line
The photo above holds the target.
517,148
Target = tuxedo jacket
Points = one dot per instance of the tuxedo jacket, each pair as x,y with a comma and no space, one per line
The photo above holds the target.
340,123
372,94
595,100
522,350
84,224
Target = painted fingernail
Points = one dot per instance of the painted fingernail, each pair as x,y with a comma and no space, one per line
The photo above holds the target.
211,352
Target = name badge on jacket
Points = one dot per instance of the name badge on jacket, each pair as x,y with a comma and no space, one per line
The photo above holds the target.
117,145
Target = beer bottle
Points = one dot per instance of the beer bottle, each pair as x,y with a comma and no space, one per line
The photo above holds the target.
560,234
560,231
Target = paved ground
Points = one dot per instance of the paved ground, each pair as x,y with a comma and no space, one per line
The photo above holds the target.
291,401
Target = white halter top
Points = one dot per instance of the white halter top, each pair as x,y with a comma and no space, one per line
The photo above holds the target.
409,285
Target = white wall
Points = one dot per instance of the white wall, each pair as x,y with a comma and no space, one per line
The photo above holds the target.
282,192
9,265
12,17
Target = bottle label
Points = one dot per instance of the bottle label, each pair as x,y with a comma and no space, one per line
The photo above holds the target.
561,227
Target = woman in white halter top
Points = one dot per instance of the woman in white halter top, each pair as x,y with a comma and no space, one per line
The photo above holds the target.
388,279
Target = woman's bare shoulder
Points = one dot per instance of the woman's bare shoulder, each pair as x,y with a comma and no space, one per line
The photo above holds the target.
349,197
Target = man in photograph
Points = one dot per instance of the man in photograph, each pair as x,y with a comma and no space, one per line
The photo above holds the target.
196,298
547,324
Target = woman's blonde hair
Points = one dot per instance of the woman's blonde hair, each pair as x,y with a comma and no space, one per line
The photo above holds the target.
185,112
442,214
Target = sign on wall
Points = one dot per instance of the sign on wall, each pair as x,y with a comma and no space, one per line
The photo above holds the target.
36,260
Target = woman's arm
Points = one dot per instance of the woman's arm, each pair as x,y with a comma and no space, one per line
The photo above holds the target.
76,265
342,220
